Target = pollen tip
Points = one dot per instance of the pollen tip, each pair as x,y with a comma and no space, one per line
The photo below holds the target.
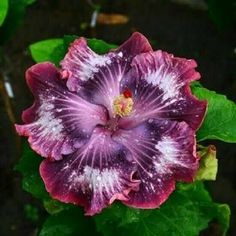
127,93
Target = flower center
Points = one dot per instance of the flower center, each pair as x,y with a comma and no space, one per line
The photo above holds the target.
123,104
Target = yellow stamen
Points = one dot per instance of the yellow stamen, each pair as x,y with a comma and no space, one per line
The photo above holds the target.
123,106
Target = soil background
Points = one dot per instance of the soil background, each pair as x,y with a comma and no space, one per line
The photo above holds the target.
182,30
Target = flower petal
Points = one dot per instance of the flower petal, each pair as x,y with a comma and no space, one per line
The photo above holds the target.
81,63
135,45
94,176
97,77
57,122
165,152
105,86
160,86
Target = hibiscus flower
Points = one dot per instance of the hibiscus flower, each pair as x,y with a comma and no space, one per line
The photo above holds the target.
119,126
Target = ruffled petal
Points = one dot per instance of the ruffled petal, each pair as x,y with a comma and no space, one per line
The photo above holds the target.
160,86
165,152
81,63
135,45
97,77
94,176
59,121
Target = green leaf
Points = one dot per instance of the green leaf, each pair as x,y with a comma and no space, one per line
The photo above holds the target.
15,14
219,122
48,50
208,163
68,223
222,214
186,213
53,206
3,10
29,168
99,46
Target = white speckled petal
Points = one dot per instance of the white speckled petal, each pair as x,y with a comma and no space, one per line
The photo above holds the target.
94,176
81,63
59,121
160,84
165,152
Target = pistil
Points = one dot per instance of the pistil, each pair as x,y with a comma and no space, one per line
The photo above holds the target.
123,104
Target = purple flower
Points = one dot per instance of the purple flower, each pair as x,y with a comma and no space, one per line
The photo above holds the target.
115,126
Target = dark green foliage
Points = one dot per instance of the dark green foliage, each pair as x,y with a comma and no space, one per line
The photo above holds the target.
223,13
186,213
69,222
29,167
15,14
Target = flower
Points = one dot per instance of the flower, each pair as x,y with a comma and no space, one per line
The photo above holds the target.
115,126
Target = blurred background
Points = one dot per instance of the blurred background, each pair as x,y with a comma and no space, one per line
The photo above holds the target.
198,29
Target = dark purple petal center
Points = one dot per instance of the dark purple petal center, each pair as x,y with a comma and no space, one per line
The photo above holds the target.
112,124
